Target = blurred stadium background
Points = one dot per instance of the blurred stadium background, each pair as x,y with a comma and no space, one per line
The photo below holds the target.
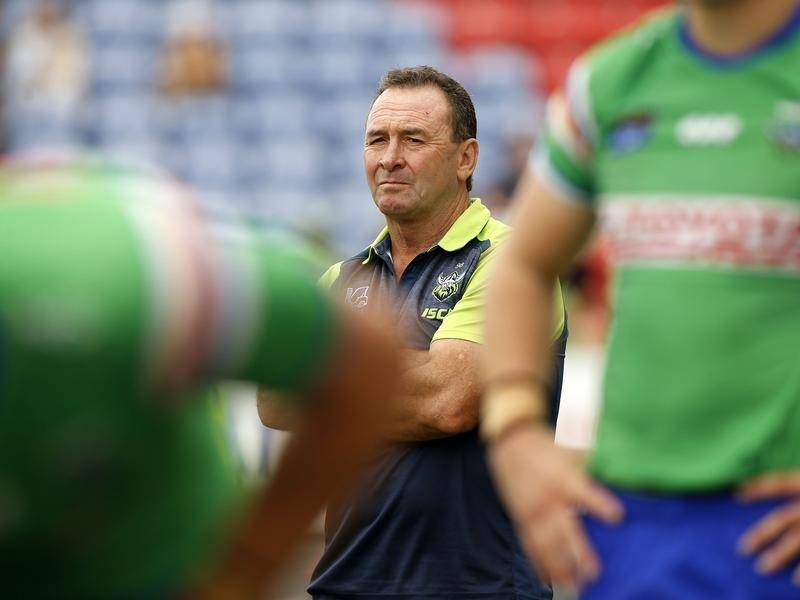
259,105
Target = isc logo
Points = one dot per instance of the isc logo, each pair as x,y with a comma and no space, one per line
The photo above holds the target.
708,129
434,313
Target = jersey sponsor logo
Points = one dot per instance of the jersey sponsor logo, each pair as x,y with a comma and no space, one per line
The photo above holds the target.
726,232
435,314
784,130
447,285
631,132
357,297
701,129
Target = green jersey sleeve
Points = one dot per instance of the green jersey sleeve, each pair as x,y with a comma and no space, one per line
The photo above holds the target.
286,323
563,159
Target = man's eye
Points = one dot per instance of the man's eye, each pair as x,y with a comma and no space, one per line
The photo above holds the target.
374,141
415,140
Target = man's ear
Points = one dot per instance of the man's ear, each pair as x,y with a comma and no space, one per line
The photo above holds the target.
467,158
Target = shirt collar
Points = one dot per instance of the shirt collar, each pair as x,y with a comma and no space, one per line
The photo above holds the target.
783,35
466,228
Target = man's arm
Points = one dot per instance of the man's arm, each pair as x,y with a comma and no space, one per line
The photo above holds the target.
440,395
440,392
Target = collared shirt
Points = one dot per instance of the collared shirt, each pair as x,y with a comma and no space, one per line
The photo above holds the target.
426,522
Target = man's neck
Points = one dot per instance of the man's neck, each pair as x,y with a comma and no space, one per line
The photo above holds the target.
736,27
414,236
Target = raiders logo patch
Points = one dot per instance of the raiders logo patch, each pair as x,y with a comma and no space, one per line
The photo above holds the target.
448,284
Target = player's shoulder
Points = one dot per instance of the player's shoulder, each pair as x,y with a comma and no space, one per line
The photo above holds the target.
652,33
614,63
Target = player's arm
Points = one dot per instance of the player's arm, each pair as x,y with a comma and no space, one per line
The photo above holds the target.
541,484
440,392
279,410
776,537
341,368
276,410
340,427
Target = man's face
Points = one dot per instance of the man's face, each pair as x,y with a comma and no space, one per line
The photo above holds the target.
410,158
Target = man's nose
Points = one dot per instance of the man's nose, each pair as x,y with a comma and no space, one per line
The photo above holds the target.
392,157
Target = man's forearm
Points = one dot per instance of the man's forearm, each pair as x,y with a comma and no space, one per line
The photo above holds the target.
438,400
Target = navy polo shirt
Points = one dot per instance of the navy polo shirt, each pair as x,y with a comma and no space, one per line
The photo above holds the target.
426,522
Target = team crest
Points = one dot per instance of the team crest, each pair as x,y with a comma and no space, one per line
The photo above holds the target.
784,130
447,285
632,132
357,297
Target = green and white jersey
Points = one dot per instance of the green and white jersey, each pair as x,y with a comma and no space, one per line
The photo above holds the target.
693,164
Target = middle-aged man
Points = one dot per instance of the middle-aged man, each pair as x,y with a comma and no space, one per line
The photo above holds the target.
427,523
683,134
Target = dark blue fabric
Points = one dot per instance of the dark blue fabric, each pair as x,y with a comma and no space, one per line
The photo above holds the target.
426,523
682,547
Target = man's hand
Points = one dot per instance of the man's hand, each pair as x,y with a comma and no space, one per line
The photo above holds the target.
776,537
544,488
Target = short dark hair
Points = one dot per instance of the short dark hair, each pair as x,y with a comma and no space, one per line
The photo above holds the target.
463,121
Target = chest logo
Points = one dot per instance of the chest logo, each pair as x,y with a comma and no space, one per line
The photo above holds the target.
704,129
357,297
631,133
448,284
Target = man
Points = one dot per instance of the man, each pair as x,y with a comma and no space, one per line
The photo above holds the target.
683,134
116,307
427,522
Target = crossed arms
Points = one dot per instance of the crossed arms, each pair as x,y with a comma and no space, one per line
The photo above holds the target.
440,393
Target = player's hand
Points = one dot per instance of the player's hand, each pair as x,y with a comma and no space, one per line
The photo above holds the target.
776,537
545,488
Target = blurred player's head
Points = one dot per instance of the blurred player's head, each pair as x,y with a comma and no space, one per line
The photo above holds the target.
71,177
420,146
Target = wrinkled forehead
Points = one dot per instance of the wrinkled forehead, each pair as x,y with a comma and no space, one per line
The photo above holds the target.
418,108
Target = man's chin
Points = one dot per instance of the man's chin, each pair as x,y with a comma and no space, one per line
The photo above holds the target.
393,205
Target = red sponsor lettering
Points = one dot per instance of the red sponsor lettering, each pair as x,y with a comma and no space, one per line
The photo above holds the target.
734,233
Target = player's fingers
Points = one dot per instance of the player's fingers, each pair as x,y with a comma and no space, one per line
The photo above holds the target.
586,560
530,547
596,500
784,552
770,527
546,543
771,485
